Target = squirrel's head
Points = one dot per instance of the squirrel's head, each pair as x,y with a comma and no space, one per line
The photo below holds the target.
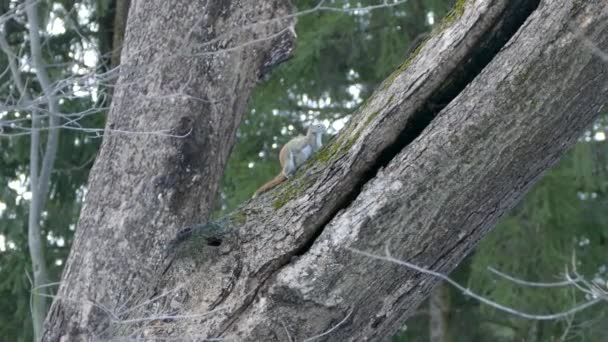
317,128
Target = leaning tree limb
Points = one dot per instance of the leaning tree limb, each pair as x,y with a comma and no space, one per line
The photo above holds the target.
447,145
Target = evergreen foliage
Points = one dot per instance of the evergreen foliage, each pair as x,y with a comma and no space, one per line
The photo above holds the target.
340,59
63,53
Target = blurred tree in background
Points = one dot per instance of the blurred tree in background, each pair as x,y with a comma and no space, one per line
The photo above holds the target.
340,59
74,34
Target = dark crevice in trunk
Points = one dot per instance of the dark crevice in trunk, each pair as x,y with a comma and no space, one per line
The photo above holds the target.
481,55
488,46
486,49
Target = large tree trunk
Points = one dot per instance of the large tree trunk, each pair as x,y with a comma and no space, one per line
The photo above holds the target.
170,130
448,144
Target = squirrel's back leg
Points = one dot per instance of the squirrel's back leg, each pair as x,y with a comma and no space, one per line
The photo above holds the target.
290,165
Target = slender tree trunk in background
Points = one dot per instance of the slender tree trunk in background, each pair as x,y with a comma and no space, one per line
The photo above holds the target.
121,12
105,11
534,332
111,37
439,312
35,242
144,186
112,31
516,86
40,171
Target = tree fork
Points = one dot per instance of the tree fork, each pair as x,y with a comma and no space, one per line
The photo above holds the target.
434,185
181,93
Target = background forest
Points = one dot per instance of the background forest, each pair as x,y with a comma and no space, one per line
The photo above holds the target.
341,57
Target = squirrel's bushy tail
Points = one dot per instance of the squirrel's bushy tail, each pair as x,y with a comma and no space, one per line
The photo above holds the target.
271,184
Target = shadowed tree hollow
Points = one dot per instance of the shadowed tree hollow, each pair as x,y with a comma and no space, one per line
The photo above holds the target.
445,146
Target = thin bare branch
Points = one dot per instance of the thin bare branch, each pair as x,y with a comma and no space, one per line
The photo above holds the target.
567,282
289,338
64,88
163,317
332,329
104,309
468,292
151,300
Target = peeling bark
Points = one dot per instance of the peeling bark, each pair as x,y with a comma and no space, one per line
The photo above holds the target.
449,143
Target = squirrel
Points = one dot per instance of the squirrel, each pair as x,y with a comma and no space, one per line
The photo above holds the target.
294,154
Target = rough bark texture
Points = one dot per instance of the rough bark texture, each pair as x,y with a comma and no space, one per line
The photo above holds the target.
520,86
449,143
187,70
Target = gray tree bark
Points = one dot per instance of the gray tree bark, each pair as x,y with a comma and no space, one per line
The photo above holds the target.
187,68
449,143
